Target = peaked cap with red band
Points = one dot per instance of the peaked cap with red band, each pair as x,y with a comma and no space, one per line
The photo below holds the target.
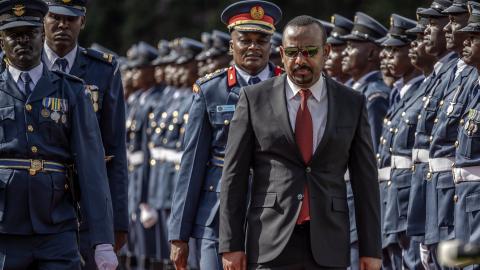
252,16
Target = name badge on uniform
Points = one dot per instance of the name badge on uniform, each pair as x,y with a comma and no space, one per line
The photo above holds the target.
55,108
225,108
94,95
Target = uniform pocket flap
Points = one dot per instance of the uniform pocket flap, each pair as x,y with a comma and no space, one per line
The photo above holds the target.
473,202
339,204
264,200
445,180
7,113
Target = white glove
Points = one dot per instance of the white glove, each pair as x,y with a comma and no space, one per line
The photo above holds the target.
148,215
105,257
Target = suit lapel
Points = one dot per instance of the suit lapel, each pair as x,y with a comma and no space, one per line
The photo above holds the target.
79,67
9,86
44,86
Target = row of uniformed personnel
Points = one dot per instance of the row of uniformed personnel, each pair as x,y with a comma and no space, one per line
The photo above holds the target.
420,80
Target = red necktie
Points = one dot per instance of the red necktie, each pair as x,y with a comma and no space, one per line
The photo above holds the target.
304,139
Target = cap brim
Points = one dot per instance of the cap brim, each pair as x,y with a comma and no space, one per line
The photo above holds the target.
354,38
394,42
254,28
20,24
335,41
67,11
201,56
184,59
470,29
454,9
430,12
415,30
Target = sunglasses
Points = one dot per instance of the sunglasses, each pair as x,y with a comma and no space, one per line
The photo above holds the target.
309,51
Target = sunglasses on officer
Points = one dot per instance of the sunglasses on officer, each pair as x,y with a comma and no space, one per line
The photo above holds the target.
309,51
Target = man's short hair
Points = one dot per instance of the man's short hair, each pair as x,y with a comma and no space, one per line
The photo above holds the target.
305,20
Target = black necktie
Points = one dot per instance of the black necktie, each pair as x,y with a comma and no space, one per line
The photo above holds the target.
26,83
253,80
61,64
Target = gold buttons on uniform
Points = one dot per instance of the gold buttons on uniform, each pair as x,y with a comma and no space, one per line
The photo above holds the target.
457,144
462,122
455,198
164,115
435,121
151,116
210,188
431,138
28,107
429,175
441,102
175,114
34,149
158,130
389,183
153,162
171,127
30,128
226,122
66,186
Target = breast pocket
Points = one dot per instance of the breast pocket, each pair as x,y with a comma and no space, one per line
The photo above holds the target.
453,113
406,132
54,132
469,139
221,124
8,128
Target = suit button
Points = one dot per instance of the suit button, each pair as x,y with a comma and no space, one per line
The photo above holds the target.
210,188
442,102
435,121
389,183
308,170
300,197
429,175
456,144
455,198
226,122
34,149
462,122
66,186
153,162
30,128
28,107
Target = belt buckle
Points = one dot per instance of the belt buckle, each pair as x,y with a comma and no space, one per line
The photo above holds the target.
36,165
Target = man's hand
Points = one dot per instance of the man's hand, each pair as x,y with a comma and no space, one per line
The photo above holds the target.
105,258
120,240
179,254
234,260
369,263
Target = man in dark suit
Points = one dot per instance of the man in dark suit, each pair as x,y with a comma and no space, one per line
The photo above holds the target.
298,216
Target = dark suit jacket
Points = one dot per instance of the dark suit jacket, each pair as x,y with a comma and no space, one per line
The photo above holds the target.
261,138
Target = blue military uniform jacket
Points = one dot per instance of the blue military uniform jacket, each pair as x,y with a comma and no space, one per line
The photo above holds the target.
196,198
42,203
377,95
102,78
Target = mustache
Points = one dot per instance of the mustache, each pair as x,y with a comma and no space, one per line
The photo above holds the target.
304,67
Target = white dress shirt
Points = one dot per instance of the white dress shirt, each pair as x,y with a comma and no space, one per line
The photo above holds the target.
49,57
262,75
34,73
406,87
317,104
441,62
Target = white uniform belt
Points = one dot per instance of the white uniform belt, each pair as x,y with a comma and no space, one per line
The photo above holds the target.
135,158
420,155
384,174
165,154
401,162
440,164
466,174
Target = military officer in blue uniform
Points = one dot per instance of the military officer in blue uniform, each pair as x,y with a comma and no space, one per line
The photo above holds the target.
361,61
333,64
215,57
48,125
138,155
397,194
467,156
102,77
166,129
196,198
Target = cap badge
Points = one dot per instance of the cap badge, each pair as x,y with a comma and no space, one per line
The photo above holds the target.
18,10
391,21
332,19
66,1
257,13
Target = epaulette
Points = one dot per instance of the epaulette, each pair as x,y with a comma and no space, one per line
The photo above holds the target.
104,57
68,76
210,76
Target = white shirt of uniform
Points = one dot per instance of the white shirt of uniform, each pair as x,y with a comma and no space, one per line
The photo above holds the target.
262,75
317,104
34,73
49,58
409,84
362,80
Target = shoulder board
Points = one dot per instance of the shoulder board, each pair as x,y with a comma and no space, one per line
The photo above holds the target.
68,76
278,71
377,95
210,76
104,57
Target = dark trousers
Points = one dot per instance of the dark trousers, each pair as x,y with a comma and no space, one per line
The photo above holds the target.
297,254
45,252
